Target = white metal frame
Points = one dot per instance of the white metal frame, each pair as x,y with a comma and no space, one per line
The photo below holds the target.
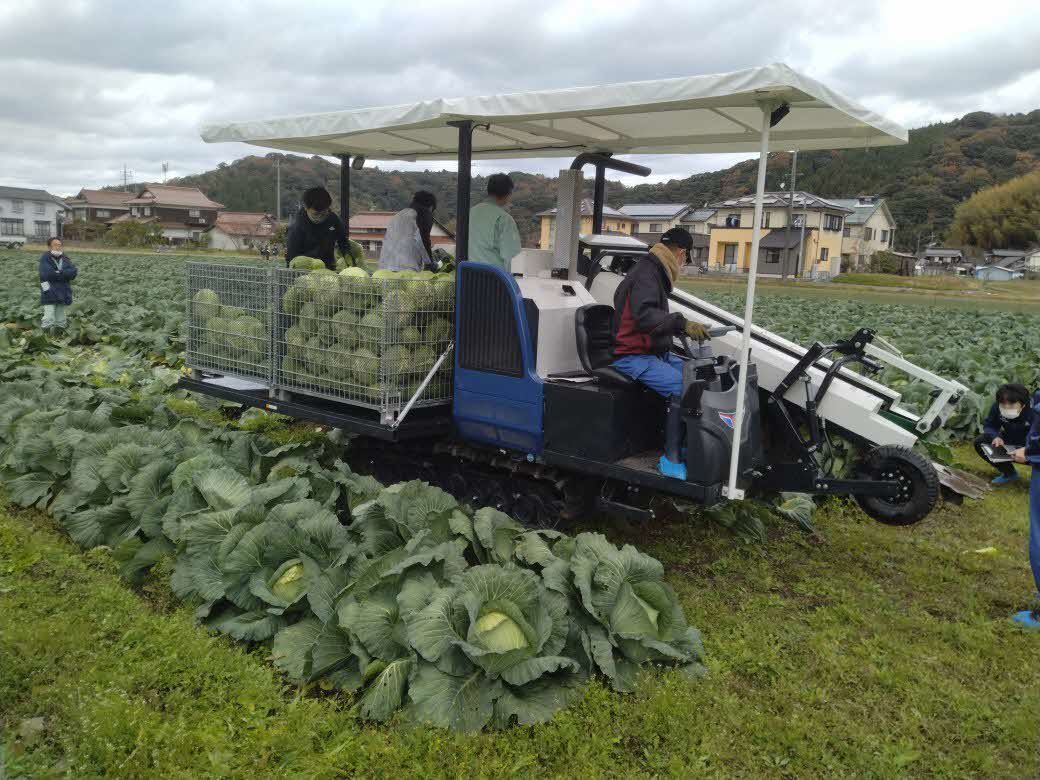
731,490
950,390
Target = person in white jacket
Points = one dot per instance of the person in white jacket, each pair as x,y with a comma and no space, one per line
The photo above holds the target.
406,246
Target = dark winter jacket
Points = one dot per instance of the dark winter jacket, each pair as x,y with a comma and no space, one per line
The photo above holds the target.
642,323
307,239
55,285
1011,431
1033,437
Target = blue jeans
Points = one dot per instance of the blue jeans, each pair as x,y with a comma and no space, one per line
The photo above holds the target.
1034,525
663,374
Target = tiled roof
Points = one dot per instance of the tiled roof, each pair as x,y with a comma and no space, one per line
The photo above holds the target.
699,215
378,220
127,218
246,223
26,193
104,198
802,200
861,208
167,195
669,210
586,210
941,252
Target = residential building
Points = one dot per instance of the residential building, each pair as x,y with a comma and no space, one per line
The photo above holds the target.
368,228
237,230
33,214
1003,256
184,213
614,221
938,255
1032,259
1002,271
698,221
868,229
811,247
99,205
653,219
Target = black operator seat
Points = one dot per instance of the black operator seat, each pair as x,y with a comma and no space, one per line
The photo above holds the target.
594,331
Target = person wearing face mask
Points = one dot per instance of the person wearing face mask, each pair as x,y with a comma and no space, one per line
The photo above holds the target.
317,230
644,330
1006,425
56,275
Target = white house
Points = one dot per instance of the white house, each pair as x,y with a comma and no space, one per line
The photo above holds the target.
33,214
698,221
238,230
368,228
868,229
1032,259
653,219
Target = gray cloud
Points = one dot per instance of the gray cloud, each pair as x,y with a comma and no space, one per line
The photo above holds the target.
91,86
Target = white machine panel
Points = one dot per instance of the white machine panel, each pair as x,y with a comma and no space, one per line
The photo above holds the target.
556,300
532,262
845,404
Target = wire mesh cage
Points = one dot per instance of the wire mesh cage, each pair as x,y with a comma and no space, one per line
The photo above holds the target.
363,340
229,320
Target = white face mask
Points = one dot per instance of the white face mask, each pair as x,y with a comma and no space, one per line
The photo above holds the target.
56,252
1010,412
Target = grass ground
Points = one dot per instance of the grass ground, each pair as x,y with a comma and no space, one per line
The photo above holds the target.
863,651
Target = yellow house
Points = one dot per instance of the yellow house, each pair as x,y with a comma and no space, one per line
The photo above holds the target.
613,222
812,246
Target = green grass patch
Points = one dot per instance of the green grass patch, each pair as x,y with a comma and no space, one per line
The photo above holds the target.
865,651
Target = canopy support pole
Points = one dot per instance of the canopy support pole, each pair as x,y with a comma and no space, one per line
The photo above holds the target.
732,492
344,191
599,193
462,190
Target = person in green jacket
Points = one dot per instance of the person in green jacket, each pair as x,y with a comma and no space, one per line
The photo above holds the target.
493,237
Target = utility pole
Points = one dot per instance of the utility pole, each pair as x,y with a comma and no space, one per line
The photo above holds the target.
790,213
278,188
165,170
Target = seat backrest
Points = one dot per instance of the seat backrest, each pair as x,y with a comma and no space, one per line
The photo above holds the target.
594,332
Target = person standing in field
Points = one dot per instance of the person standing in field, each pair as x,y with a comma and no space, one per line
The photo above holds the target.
493,236
56,274
406,246
1030,453
317,230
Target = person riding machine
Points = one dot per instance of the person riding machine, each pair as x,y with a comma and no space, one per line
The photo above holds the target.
644,333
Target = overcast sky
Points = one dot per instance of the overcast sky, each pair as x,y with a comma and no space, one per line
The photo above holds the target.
90,86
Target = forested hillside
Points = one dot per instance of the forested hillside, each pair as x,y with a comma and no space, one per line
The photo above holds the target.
924,181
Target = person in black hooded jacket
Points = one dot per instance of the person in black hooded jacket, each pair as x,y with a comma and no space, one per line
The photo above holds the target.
317,230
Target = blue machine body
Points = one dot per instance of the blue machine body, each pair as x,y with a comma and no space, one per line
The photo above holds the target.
498,397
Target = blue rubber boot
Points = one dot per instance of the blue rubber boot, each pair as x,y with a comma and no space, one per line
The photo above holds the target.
672,463
671,468
1004,479
1027,619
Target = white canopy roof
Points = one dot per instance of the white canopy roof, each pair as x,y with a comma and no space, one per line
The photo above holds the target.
688,115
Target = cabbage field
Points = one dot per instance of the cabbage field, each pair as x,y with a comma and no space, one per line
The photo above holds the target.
399,601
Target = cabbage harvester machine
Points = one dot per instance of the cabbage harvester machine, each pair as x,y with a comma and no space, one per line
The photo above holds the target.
539,424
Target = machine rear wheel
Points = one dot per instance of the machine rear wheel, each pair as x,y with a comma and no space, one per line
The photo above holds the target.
919,485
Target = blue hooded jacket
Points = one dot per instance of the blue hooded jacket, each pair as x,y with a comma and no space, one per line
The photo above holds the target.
59,290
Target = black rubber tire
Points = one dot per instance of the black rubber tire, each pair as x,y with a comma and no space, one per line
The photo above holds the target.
910,468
